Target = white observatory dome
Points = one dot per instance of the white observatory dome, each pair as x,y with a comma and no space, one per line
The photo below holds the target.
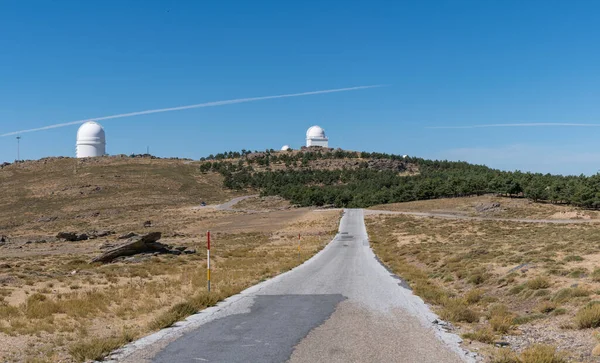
315,136
91,140
285,147
315,132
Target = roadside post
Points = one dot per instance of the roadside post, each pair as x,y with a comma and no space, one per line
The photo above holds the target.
298,245
208,260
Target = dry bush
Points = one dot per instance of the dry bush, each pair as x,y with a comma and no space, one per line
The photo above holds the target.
40,306
540,353
173,315
546,307
596,275
501,318
474,296
505,355
566,294
572,258
588,317
98,348
539,282
484,335
456,310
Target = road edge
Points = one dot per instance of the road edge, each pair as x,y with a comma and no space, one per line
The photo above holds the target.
204,316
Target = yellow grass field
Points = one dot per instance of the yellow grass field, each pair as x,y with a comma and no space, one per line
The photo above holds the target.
519,284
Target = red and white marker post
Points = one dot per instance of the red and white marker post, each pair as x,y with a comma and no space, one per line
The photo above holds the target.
208,260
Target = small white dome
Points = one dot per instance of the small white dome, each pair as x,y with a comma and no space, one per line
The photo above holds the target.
91,140
315,132
285,147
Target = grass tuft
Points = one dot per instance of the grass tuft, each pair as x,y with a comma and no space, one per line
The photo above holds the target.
456,310
98,348
588,317
540,353
485,335
538,282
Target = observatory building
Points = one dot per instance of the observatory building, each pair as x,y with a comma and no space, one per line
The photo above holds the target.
285,148
315,136
91,140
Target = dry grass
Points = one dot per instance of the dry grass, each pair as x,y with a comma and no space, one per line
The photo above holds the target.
588,317
502,277
149,295
103,192
484,335
55,306
98,348
537,353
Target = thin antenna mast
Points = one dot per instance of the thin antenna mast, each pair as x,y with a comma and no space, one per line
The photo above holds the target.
18,148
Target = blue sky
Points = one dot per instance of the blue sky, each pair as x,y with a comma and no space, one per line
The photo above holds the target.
447,63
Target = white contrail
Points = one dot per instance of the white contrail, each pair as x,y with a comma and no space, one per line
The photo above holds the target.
538,124
199,105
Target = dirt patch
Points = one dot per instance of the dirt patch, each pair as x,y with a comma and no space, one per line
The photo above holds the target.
570,215
492,206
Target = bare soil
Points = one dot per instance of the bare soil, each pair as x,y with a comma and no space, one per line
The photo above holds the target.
509,208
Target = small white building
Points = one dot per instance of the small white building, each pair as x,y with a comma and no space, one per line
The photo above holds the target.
285,147
91,140
315,136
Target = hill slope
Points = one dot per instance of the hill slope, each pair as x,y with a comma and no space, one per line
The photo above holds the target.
49,193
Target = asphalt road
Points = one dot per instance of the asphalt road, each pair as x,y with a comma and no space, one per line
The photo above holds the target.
340,306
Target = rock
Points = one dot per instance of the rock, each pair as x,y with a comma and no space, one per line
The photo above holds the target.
180,248
521,266
47,219
67,236
135,245
596,351
3,239
101,233
191,251
127,235
104,233
501,344
487,207
148,224
72,236
106,245
36,241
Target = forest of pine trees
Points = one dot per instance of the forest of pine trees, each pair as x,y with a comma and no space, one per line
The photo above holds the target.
364,187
